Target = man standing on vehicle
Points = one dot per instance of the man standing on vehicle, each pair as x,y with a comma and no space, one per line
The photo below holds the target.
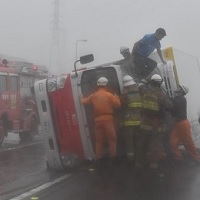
104,103
149,142
143,48
181,134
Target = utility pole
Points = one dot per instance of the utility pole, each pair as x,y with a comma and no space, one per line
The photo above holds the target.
77,41
54,59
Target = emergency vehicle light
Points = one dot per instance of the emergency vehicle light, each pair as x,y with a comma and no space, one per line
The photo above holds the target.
35,67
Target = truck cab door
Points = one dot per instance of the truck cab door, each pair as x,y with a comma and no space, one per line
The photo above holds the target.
4,93
14,93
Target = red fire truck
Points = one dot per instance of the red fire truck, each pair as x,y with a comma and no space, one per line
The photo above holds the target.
68,125
18,110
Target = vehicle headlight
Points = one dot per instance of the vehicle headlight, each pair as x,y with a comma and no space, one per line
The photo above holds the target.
56,83
61,82
51,85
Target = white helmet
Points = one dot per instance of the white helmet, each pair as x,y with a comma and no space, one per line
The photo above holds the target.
128,80
184,88
123,49
156,78
102,81
163,87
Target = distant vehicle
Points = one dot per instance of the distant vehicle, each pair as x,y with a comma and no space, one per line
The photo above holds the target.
18,110
68,125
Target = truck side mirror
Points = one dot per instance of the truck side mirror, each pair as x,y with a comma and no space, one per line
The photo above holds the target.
83,60
86,59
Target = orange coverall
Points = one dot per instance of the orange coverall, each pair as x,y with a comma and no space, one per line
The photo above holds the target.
181,134
104,104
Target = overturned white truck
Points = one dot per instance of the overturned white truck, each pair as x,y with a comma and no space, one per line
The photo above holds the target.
67,125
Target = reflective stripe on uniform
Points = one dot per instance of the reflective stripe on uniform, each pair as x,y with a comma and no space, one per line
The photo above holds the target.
135,105
131,123
150,105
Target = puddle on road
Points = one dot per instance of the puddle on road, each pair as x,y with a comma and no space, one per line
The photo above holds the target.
13,141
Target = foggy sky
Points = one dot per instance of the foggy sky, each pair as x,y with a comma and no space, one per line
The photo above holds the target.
107,24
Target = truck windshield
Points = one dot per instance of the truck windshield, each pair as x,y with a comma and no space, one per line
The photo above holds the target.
2,83
13,83
90,77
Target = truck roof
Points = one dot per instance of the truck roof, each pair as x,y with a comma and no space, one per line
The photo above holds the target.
7,69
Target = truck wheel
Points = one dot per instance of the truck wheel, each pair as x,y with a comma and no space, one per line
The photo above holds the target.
33,129
23,136
2,133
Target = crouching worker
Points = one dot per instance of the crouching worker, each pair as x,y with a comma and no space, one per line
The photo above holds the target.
181,134
149,142
103,103
132,104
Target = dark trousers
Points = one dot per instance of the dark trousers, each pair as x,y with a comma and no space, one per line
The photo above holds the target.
149,147
144,66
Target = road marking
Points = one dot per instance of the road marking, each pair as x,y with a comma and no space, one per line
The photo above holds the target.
40,188
20,147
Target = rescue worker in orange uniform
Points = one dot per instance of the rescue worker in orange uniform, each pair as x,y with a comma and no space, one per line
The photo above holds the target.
149,142
104,103
181,134
132,101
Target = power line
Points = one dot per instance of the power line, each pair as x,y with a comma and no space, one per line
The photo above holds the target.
54,59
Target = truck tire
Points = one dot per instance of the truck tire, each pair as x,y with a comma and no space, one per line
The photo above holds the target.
33,128
2,134
23,136
28,136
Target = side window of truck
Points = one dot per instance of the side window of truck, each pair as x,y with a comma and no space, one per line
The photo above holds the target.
2,83
89,80
13,83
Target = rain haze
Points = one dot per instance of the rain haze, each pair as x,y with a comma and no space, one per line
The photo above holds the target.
100,27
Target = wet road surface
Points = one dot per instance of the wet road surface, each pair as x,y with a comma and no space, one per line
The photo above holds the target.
22,166
121,182
23,169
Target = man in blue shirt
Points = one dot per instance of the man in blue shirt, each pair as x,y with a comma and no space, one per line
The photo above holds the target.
143,48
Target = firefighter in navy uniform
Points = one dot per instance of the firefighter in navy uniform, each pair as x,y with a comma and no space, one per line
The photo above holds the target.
132,104
104,103
181,133
149,143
